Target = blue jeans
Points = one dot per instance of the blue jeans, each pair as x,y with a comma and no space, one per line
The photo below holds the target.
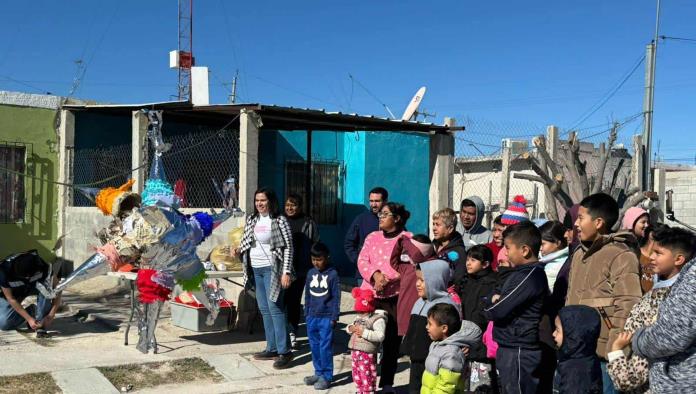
273,313
320,334
607,384
10,319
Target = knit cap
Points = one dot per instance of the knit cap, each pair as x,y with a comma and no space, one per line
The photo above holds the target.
364,300
631,217
516,212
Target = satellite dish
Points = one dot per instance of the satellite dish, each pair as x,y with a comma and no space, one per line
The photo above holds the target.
412,108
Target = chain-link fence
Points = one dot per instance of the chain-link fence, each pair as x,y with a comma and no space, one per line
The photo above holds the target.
479,159
200,159
91,166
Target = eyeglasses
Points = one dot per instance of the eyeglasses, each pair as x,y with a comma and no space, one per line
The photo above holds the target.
384,214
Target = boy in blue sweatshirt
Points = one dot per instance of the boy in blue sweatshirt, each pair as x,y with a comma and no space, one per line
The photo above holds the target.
516,309
322,305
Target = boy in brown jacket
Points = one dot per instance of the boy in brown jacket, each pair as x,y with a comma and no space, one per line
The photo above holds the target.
604,272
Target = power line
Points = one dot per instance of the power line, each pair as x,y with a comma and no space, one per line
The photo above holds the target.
372,95
690,40
592,110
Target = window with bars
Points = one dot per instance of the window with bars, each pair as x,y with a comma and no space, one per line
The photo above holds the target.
12,193
323,206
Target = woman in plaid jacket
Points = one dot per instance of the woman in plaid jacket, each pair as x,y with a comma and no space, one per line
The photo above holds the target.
266,250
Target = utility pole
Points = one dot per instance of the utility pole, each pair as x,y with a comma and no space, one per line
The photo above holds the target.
648,102
233,97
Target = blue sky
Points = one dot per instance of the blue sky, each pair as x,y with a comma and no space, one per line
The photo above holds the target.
516,63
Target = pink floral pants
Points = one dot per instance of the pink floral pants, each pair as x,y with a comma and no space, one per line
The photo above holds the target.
364,371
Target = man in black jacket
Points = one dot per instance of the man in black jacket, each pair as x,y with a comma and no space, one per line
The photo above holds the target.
517,310
362,226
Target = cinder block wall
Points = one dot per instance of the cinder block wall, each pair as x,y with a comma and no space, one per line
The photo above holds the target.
683,183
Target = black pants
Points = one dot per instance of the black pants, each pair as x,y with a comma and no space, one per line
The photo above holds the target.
547,369
518,370
415,379
392,340
293,302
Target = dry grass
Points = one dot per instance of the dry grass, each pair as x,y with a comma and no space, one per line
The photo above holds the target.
31,383
140,376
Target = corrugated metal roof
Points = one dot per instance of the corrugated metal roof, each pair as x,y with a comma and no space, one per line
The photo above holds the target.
281,116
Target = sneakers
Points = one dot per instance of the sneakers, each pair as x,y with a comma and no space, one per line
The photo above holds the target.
321,384
310,380
293,340
283,361
388,389
265,355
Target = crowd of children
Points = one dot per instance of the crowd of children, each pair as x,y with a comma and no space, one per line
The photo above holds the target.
564,307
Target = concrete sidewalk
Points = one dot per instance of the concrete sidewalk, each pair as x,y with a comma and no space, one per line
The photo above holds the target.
90,334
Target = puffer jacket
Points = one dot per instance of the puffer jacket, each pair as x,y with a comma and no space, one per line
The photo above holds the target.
474,290
445,363
605,275
670,343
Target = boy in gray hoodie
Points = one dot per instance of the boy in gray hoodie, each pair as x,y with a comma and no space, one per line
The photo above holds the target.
432,278
446,362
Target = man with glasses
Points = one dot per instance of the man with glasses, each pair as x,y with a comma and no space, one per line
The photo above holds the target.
364,224
19,275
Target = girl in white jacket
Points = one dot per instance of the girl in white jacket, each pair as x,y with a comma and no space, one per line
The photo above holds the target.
554,249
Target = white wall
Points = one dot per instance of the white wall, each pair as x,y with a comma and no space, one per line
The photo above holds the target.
683,183
477,183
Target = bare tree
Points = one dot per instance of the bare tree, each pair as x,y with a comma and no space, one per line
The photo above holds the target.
568,180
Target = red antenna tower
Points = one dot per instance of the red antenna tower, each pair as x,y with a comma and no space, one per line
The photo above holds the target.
185,49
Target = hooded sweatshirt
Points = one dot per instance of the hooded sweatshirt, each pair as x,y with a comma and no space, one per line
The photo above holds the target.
436,274
477,234
578,365
605,276
670,343
554,262
445,363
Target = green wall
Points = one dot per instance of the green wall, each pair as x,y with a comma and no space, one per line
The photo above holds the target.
33,126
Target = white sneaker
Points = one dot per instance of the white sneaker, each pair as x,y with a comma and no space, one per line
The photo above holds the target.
293,340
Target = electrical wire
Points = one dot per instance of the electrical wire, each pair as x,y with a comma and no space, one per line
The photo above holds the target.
596,107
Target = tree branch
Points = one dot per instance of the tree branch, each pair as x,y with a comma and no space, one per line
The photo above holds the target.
529,177
553,184
615,175
540,143
604,157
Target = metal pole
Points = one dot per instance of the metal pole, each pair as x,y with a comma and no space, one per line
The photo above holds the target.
648,103
233,96
308,175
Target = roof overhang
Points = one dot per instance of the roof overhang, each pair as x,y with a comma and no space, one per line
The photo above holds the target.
274,117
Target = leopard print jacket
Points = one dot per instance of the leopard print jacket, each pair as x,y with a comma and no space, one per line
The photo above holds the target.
630,374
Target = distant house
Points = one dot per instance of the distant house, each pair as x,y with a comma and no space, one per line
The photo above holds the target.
28,165
259,145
